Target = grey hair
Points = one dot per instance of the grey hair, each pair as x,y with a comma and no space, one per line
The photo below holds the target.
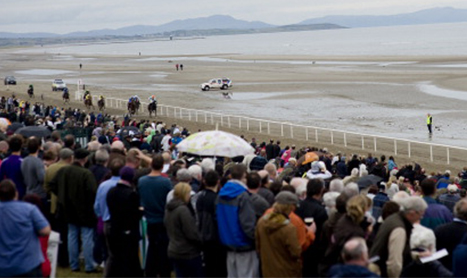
300,190
413,203
422,237
363,172
399,197
48,145
460,209
354,249
207,164
101,156
65,153
329,199
195,171
183,175
354,172
298,182
336,185
351,189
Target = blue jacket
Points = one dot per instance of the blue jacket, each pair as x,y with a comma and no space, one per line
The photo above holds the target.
236,218
435,214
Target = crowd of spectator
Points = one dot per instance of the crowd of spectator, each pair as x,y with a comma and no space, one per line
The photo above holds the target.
280,212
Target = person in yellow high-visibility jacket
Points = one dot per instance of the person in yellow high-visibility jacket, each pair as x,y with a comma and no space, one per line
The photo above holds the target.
429,122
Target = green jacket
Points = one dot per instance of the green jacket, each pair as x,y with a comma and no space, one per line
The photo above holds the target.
76,188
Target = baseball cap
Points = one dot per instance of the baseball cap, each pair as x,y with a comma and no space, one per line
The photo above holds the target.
287,198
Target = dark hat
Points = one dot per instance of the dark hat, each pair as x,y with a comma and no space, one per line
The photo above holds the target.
287,198
127,174
81,153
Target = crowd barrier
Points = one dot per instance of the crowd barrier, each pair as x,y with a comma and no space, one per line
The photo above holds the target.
371,143
81,135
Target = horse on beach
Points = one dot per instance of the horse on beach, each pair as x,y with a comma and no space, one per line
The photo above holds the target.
66,97
133,106
101,104
88,103
152,108
31,91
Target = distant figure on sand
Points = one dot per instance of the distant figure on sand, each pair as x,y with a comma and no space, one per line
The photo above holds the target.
176,66
429,122
181,66
80,66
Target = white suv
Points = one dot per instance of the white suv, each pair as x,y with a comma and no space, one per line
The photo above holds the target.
58,85
217,83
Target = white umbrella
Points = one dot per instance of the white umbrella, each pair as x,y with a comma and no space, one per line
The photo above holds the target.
215,143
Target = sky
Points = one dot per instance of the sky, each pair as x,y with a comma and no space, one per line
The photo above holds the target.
64,16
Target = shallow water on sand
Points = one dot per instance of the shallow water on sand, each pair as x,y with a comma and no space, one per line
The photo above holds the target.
43,72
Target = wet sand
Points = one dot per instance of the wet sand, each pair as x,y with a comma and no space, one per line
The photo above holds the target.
387,96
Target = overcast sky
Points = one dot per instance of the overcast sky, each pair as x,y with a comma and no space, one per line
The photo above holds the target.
64,16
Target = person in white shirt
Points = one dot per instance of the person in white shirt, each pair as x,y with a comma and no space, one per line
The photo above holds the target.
165,142
318,171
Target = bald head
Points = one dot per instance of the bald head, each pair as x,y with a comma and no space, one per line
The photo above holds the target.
93,146
117,145
263,174
355,252
3,146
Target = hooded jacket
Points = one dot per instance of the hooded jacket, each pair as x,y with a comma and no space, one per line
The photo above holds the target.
236,217
278,246
184,239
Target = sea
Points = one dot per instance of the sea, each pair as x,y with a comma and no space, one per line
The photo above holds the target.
415,40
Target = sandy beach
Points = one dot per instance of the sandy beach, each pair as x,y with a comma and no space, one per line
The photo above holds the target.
388,96
381,96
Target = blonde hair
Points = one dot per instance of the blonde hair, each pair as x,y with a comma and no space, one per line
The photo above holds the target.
132,156
181,190
356,208
392,179
283,208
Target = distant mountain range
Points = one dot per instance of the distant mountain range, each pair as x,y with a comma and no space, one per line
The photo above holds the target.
429,16
232,25
202,23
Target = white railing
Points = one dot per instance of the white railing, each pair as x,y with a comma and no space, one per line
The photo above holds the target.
368,142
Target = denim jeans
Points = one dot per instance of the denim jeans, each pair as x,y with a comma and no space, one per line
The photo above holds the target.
87,240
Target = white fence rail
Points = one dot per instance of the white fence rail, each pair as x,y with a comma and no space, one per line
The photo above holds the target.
372,143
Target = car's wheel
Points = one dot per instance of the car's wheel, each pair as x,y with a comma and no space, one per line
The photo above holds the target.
206,88
224,87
